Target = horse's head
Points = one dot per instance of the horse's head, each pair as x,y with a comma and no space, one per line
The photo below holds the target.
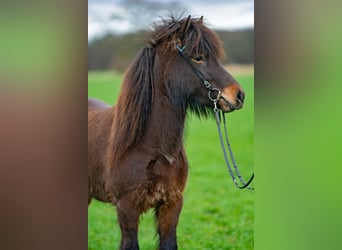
201,48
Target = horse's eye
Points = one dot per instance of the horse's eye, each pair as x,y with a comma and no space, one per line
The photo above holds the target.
198,59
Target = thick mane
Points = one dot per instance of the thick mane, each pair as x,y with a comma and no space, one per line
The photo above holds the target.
199,39
134,104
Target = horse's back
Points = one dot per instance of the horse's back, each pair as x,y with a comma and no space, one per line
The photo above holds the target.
100,117
96,104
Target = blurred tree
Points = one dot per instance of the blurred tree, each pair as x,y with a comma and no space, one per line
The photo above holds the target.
115,51
238,45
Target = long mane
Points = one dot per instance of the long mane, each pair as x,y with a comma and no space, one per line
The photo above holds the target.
134,105
135,101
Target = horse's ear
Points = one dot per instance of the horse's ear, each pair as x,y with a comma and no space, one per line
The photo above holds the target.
201,20
185,27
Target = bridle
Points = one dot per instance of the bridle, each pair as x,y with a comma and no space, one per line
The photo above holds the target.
214,99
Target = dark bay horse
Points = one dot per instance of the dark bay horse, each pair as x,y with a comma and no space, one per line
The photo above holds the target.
136,157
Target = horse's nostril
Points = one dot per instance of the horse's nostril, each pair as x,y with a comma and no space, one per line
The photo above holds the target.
240,96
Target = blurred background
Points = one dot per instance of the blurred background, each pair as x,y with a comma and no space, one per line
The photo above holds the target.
43,135
117,29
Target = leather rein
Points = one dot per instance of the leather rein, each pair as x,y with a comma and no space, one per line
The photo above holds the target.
214,98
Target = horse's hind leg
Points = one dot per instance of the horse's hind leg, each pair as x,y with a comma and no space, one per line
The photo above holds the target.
167,219
128,219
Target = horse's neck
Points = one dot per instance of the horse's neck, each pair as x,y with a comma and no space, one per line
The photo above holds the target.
166,126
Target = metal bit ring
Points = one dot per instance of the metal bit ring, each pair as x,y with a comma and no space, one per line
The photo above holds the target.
217,97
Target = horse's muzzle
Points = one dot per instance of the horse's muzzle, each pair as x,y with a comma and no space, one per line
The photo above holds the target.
232,98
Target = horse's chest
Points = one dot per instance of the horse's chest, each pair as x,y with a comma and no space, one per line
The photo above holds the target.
157,192
159,181
162,185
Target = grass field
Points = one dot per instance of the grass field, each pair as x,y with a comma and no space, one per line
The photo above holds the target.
216,215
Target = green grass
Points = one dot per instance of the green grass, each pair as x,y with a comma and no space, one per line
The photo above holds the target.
216,215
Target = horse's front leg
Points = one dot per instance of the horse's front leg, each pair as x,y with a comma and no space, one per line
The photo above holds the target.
167,220
128,218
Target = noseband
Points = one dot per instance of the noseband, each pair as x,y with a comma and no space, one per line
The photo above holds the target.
214,99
